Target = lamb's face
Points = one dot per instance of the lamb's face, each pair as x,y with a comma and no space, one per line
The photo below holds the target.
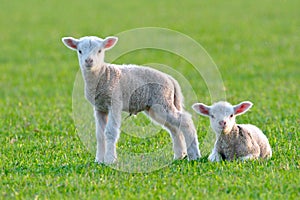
222,114
90,52
90,49
222,117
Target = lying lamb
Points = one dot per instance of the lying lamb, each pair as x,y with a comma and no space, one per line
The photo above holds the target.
112,89
241,141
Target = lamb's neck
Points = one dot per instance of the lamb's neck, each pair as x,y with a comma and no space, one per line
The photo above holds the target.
234,130
92,77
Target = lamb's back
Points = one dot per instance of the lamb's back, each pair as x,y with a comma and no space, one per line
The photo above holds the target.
141,87
260,138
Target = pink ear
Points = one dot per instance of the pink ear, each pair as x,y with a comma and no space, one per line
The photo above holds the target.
242,107
110,42
70,42
201,109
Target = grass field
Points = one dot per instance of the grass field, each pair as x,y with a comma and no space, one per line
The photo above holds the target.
255,45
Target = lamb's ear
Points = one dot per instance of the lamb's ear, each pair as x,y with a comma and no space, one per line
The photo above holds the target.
242,107
110,42
70,42
201,109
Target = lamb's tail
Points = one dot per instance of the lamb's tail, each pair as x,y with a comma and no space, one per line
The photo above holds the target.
178,98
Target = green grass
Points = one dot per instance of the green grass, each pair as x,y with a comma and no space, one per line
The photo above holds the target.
255,45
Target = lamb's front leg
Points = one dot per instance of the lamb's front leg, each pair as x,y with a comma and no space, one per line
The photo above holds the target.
214,156
112,132
101,121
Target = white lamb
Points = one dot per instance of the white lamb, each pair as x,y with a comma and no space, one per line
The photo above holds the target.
241,141
112,89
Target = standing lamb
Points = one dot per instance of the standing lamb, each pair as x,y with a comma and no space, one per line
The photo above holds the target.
242,141
112,89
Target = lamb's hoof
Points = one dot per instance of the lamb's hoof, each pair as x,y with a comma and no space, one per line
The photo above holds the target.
180,156
108,160
214,157
99,161
194,154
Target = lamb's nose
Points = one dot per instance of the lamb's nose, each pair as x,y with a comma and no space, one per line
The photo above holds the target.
89,61
222,123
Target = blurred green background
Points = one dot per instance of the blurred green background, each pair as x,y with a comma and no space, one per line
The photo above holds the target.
255,45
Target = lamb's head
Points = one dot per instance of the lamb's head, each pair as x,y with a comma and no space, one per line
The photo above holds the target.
222,114
90,49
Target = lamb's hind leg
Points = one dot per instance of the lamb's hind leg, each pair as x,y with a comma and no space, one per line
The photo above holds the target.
179,122
159,115
183,122
101,120
186,125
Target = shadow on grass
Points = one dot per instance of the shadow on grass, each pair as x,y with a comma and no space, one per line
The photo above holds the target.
201,167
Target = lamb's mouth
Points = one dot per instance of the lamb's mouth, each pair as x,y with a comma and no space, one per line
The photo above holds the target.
88,67
224,130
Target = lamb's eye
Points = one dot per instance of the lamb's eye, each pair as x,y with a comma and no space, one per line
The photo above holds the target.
80,51
212,116
99,51
231,115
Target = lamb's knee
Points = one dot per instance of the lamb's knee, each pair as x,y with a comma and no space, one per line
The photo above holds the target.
256,151
111,134
266,152
186,122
